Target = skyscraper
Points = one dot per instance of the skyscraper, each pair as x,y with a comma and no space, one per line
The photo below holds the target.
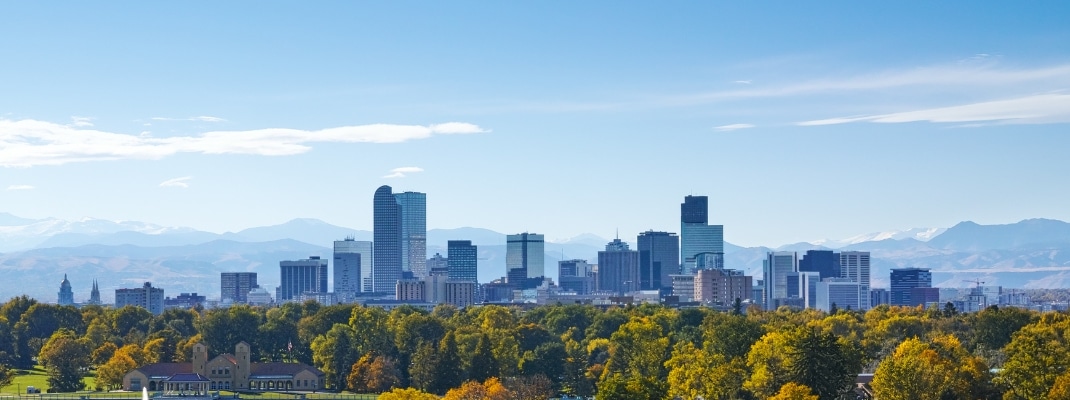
66,294
399,224
776,267
618,268
659,255
575,275
386,233
349,257
697,236
236,285
825,262
300,277
904,281
438,262
524,257
413,206
854,265
461,259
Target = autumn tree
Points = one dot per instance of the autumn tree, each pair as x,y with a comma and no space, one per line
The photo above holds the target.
932,370
65,356
491,389
374,374
1036,356
794,391
695,373
333,354
110,375
407,394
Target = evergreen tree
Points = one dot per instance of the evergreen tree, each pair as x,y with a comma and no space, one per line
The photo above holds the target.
450,374
483,365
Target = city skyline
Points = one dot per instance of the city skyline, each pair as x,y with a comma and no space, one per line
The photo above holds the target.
929,115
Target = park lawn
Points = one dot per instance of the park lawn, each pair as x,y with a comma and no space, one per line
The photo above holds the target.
38,377
310,396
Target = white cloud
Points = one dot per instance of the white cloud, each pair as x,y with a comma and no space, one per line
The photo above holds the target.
182,182
81,122
20,187
743,82
26,143
402,171
732,127
203,118
1044,108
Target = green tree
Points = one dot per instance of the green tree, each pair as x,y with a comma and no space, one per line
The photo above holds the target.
483,365
129,318
730,335
449,375
1036,356
935,370
333,354
695,373
821,362
65,357
223,328
637,352
424,367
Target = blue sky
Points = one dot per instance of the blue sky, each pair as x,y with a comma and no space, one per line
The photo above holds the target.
801,121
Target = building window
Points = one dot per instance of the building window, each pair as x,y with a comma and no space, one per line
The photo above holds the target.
135,383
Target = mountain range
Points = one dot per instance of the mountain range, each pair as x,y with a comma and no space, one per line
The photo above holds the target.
1033,253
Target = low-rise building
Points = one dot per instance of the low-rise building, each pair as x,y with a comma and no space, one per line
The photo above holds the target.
226,372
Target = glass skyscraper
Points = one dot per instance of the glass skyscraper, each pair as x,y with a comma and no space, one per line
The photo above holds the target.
399,237
524,257
618,268
349,259
659,255
461,258
904,281
824,262
775,268
697,236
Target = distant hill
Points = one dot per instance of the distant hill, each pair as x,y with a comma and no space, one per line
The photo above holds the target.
1030,233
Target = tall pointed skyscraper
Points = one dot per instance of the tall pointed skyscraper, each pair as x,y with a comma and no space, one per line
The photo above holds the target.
399,235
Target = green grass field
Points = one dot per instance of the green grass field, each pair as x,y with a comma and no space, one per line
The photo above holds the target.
36,377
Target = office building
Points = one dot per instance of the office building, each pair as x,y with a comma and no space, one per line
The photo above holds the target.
259,297
461,262
618,268
855,265
575,276
435,285
659,255
349,258
235,286
824,262
878,297
185,301
437,262
775,268
904,281
842,293
808,281
524,258
66,294
461,293
386,243
300,277
697,236
146,297
413,218
409,290
683,287
721,287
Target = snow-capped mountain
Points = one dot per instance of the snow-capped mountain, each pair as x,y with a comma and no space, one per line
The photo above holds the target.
919,234
22,233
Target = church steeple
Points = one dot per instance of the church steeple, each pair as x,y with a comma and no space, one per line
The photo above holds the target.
94,296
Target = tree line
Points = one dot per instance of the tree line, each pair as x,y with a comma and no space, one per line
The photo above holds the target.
629,352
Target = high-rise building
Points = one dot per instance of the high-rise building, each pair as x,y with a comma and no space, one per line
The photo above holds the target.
854,265
843,293
776,267
878,297
437,262
697,236
904,281
576,276
413,206
94,295
618,268
386,233
300,277
825,262
236,286
721,287
399,225
524,258
659,255
146,297
66,294
410,290
461,260
349,257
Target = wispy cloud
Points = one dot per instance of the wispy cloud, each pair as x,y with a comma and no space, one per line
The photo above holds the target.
402,171
81,122
182,182
1044,108
732,127
26,143
20,187
742,82
203,118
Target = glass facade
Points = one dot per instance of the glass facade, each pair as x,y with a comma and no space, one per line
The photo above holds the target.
618,268
904,281
413,208
658,258
386,235
349,257
824,262
461,258
524,258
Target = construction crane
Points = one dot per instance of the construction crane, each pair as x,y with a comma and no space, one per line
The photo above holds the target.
977,282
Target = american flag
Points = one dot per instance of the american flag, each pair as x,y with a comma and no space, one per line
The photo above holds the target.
290,346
